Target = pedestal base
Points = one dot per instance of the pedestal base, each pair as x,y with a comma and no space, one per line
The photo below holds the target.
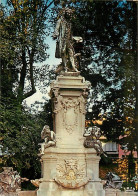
53,189
70,172
112,192
69,169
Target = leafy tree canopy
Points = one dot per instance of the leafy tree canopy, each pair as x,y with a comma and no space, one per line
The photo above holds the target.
108,61
24,27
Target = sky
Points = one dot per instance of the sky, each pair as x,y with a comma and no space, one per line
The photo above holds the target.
38,96
51,61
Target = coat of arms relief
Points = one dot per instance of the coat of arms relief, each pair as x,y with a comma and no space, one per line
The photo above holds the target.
71,174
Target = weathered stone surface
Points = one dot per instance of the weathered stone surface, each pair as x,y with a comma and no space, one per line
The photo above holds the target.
27,193
9,194
69,169
114,192
10,181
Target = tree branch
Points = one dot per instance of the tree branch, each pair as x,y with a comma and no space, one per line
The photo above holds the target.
22,76
31,70
46,7
31,56
28,94
43,11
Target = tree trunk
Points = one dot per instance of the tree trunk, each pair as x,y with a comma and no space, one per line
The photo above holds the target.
136,108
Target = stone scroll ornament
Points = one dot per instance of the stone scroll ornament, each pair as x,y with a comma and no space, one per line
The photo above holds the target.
65,42
71,174
49,138
92,135
70,106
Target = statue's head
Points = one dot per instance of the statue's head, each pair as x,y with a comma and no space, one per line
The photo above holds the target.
46,127
87,132
45,131
67,13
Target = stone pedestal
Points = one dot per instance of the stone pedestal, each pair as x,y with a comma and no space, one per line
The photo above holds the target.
69,169
112,192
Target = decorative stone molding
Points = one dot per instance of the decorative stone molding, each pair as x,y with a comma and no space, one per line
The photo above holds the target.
58,103
66,103
58,139
82,103
70,106
71,174
56,91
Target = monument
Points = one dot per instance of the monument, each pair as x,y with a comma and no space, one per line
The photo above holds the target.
69,153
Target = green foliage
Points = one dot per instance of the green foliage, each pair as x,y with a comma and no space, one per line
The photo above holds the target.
20,135
24,27
131,166
27,186
129,184
108,61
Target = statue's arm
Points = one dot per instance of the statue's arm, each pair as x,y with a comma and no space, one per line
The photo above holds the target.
56,32
53,136
46,140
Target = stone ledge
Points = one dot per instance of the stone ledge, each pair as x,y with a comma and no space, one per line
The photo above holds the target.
59,150
27,193
115,192
128,194
70,82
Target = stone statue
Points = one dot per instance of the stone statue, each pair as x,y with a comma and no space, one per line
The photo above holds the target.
49,138
113,181
65,41
92,135
10,181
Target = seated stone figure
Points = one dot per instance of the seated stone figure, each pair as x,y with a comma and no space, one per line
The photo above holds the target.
92,135
49,138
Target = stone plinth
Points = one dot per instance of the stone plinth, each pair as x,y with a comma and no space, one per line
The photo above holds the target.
112,192
69,169
69,97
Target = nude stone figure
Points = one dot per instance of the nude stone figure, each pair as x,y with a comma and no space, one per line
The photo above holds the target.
49,138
